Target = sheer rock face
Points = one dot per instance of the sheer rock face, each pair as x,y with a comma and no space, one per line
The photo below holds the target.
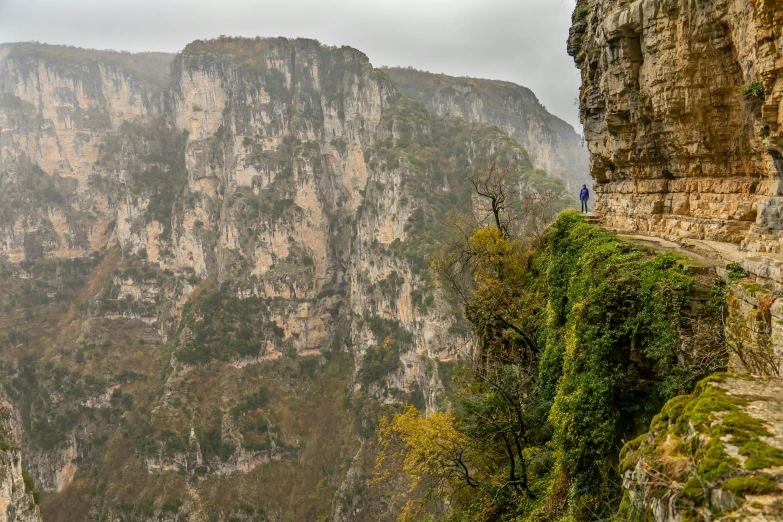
245,121
682,104
552,143
57,108
276,137
16,503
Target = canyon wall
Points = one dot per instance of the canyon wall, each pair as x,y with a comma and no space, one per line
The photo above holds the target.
213,273
553,144
682,105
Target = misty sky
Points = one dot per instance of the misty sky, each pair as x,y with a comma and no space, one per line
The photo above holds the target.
522,41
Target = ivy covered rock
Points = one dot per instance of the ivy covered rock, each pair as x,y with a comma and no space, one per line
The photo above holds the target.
716,454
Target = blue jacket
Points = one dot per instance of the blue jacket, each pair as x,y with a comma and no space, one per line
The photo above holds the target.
584,194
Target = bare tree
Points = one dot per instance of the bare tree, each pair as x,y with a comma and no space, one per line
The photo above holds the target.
520,215
489,182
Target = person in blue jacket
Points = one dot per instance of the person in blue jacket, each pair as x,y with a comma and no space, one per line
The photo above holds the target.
584,195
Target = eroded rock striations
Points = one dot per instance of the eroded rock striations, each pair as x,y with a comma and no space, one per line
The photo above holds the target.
682,105
18,500
553,144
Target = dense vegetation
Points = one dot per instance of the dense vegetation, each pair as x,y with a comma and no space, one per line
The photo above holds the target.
224,327
578,350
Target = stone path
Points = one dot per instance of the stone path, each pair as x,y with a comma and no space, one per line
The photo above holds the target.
766,267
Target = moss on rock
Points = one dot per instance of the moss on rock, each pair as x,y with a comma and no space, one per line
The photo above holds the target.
723,447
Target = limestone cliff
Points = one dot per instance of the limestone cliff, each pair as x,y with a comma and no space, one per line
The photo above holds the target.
552,143
18,500
57,108
681,104
213,274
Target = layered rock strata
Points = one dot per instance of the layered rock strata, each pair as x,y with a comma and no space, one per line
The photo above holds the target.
682,105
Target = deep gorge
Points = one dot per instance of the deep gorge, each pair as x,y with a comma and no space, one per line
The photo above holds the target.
263,280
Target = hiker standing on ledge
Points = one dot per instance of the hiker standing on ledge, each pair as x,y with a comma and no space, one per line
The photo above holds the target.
584,195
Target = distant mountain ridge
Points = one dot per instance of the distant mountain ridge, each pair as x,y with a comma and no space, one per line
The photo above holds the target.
552,143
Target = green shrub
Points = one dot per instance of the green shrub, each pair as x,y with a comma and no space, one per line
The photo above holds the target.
29,486
171,506
754,88
254,401
340,145
224,327
212,444
378,362
735,272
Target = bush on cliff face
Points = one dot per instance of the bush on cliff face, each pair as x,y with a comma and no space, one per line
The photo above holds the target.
383,358
583,359
754,88
29,486
224,327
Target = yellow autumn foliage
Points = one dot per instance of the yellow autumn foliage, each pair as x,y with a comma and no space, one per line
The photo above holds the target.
428,449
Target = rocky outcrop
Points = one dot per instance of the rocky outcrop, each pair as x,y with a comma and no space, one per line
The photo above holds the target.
18,500
682,105
552,143
716,454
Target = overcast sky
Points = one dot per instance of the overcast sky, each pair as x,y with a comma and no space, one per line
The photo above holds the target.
523,41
